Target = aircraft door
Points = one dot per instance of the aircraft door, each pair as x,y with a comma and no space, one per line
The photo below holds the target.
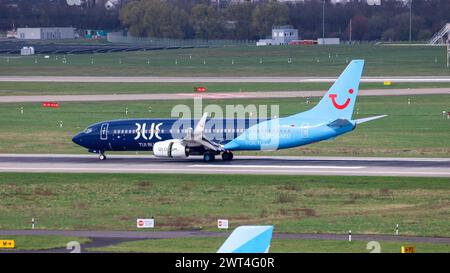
104,131
305,130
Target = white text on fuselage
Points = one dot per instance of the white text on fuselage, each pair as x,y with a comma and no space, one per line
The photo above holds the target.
141,131
145,144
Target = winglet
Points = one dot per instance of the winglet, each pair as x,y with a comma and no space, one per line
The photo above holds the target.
362,120
201,125
197,133
248,239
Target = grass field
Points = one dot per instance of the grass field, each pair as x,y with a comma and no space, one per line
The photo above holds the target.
410,130
39,88
41,242
238,61
421,206
211,245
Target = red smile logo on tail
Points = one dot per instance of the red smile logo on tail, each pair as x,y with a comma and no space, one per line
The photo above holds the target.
337,105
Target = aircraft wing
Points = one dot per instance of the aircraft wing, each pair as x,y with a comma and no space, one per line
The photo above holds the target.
195,138
211,145
203,142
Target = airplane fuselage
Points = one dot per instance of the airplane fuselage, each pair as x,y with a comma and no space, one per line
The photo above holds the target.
233,134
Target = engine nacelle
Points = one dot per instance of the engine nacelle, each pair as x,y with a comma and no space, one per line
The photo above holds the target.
170,148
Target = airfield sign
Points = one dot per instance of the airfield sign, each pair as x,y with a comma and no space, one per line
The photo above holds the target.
7,244
222,223
408,249
145,223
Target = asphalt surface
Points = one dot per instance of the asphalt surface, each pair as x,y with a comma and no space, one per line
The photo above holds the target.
232,95
107,238
262,165
214,79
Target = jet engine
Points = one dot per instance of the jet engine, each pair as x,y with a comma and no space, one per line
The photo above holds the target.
170,148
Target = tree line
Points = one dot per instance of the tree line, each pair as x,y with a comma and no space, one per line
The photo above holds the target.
55,13
186,19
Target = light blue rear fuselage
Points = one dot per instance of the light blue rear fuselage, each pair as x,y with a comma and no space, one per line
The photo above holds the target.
288,132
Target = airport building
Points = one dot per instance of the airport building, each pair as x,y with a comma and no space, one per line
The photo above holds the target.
46,33
281,35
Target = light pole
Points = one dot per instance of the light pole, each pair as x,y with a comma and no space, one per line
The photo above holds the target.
323,20
448,55
410,20
351,31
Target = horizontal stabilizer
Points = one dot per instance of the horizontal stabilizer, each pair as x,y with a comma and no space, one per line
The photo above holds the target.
248,239
362,120
339,123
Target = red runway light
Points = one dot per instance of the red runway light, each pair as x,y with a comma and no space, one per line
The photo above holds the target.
200,89
50,104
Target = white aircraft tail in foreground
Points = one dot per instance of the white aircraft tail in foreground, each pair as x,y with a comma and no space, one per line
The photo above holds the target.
248,239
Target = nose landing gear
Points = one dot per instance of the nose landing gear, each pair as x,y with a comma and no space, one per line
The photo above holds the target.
101,153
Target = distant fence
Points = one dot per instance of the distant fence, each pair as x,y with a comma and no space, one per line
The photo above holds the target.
120,38
14,47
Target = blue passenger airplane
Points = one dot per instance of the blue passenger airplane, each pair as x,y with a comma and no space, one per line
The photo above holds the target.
175,138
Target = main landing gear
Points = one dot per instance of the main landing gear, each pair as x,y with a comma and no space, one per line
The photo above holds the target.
210,156
227,156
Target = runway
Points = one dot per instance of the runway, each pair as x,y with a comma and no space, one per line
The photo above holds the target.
222,96
261,165
151,79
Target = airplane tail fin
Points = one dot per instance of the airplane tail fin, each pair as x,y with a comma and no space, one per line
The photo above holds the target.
339,101
248,239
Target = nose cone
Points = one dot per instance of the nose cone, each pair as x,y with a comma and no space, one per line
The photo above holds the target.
78,139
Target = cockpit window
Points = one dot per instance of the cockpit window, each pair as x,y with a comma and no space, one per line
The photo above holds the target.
88,130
